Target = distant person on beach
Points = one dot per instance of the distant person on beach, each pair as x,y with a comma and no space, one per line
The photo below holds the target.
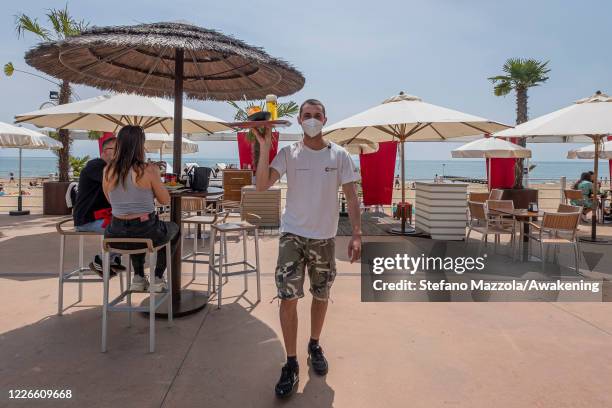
11,177
131,186
2,191
90,199
315,168
397,182
585,184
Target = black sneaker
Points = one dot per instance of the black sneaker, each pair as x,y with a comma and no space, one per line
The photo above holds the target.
288,382
96,266
116,265
317,359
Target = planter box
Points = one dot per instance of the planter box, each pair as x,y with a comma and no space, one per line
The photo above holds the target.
521,197
54,198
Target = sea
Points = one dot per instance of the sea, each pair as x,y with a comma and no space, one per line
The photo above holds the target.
415,169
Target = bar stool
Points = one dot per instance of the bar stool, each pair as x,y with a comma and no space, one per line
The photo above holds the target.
80,275
212,218
217,269
154,301
191,205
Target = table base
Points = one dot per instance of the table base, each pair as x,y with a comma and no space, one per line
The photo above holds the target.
407,231
17,212
596,240
191,301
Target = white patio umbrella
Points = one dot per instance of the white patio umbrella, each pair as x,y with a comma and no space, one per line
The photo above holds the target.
22,138
591,117
588,152
108,113
488,148
407,118
164,144
359,146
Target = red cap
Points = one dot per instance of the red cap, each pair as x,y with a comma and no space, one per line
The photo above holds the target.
104,138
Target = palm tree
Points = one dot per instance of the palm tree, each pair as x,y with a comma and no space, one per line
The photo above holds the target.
284,109
78,164
63,25
520,74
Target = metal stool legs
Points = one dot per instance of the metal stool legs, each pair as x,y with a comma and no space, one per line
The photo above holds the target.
80,275
152,263
60,296
257,268
221,269
155,299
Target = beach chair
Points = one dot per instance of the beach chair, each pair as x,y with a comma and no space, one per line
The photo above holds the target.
501,220
478,197
496,194
480,222
570,195
565,208
265,205
558,228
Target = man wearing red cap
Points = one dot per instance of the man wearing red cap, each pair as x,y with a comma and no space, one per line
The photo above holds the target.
91,203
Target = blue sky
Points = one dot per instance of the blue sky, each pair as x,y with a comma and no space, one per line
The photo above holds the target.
356,55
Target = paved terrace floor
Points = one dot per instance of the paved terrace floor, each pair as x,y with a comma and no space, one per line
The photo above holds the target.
380,354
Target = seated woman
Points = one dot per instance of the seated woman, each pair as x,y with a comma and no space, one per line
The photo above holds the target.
585,184
130,184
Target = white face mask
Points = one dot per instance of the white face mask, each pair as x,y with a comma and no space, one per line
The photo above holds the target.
312,127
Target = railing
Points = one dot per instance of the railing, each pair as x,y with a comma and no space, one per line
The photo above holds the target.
550,193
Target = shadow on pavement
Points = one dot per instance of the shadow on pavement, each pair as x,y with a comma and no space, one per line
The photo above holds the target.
235,362
63,352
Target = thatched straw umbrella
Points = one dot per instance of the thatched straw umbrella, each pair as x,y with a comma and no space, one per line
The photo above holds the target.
141,59
167,60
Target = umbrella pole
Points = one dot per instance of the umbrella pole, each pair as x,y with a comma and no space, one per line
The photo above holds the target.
184,301
526,180
20,210
488,159
402,230
20,198
403,188
595,205
175,210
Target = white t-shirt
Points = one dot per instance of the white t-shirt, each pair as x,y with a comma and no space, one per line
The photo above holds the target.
313,179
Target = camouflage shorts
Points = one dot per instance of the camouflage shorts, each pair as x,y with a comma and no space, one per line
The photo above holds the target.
295,254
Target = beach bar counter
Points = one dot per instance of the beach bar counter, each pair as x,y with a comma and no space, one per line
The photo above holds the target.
441,210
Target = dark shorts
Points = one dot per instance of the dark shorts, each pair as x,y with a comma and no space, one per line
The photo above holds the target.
295,254
160,232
